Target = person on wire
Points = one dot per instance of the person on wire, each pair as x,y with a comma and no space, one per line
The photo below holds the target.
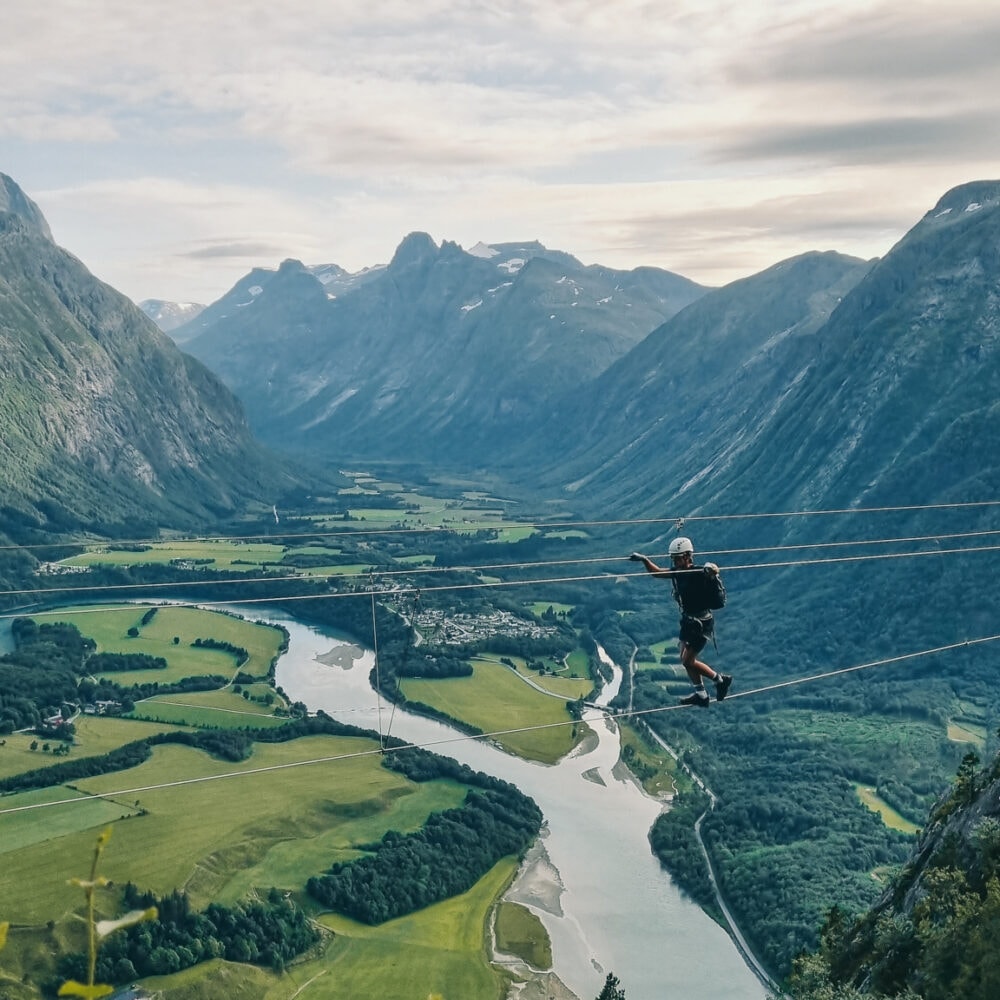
698,590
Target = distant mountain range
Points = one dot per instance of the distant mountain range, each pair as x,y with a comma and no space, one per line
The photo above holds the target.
436,357
170,315
103,421
821,382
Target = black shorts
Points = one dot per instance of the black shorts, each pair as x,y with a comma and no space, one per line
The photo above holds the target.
695,632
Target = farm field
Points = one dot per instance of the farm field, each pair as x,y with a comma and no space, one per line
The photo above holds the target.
218,554
892,819
109,628
492,698
570,682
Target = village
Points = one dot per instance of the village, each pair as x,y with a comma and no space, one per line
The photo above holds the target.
455,629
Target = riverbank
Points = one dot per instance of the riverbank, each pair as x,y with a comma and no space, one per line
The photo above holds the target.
537,885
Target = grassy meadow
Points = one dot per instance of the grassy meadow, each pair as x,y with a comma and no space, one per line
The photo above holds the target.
109,628
570,680
213,553
892,819
495,700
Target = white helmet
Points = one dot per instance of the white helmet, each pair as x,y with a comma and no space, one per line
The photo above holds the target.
681,545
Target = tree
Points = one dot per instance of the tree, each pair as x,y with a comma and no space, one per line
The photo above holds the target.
966,784
612,989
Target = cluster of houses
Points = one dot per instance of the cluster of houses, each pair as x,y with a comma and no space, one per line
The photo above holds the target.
96,708
458,629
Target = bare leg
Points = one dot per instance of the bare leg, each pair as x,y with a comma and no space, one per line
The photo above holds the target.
696,669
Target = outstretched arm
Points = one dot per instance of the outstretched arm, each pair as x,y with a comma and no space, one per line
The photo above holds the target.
651,566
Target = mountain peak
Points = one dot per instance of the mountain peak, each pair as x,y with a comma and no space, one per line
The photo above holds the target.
15,201
414,248
482,249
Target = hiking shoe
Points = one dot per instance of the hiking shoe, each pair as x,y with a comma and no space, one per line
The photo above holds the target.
699,698
722,686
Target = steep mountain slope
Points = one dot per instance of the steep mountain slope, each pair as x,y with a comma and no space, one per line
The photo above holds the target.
437,357
691,385
894,396
102,419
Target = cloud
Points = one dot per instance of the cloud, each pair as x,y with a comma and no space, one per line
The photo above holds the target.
238,250
885,42
929,138
172,142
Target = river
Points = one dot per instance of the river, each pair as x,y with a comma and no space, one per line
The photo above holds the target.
603,897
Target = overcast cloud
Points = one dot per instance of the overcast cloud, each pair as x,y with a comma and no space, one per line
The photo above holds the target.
174,146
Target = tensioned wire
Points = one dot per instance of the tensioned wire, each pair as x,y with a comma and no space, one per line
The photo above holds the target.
463,568
493,584
500,525
491,735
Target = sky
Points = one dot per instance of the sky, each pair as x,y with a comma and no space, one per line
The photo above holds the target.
174,146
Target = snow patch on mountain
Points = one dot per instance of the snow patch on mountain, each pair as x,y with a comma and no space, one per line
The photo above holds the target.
482,250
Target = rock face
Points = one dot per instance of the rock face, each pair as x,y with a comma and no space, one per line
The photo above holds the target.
102,419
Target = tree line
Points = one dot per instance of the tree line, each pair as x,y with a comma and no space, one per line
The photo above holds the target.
269,932
454,849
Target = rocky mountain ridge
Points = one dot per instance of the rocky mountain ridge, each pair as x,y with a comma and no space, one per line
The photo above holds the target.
437,357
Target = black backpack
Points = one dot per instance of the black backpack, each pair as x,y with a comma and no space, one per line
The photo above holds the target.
704,592
715,591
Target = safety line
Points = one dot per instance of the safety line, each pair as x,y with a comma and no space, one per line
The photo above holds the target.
500,525
464,568
492,584
625,714
378,680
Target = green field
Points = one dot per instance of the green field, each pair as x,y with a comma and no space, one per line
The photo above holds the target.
520,932
892,819
109,627
223,555
566,683
404,959
226,555
496,700
667,649
540,607
95,735
197,710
